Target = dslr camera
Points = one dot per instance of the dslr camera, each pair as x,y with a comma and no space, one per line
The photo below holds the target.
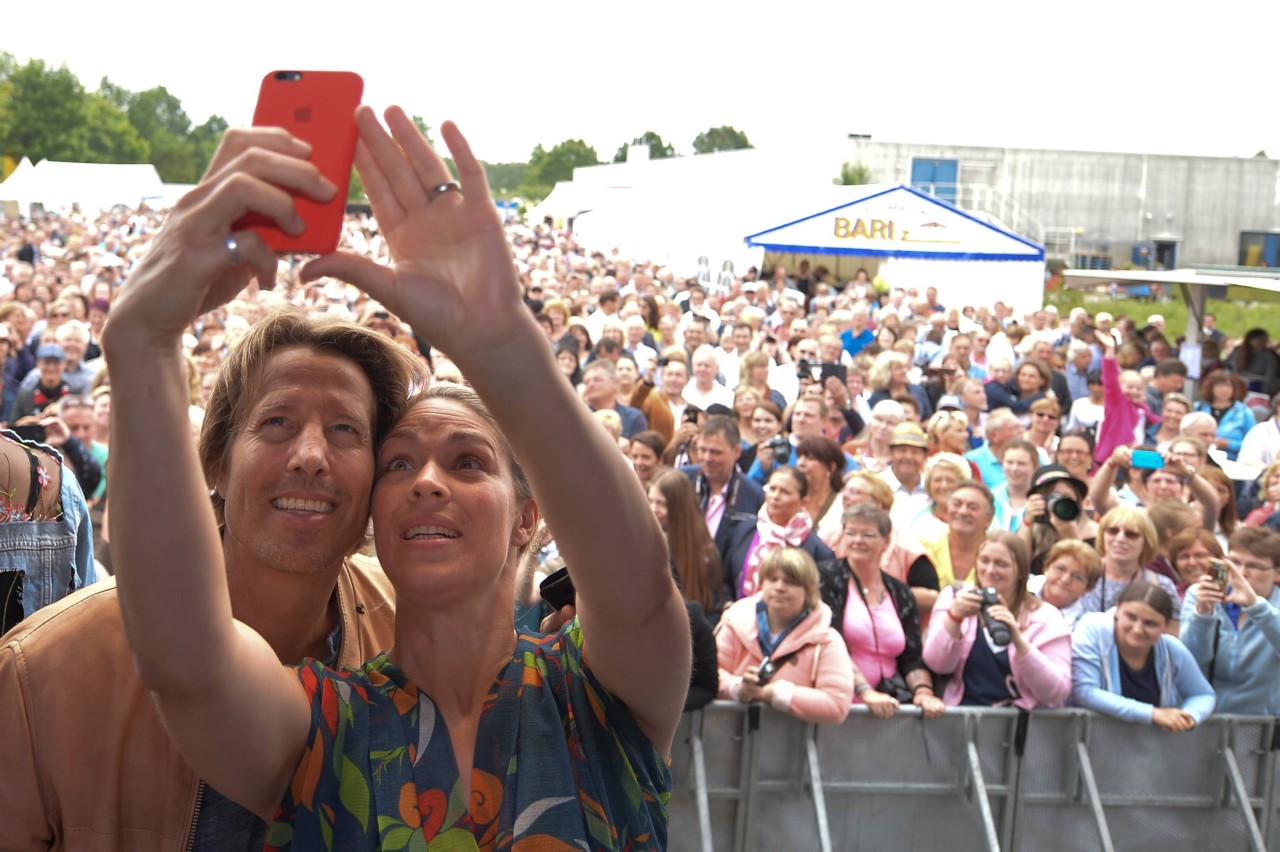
1061,506
998,629
781,449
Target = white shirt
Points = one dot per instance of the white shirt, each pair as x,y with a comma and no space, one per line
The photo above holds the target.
1261,444
718,394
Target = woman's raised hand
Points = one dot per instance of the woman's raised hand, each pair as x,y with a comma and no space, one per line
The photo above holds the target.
452,274
197,261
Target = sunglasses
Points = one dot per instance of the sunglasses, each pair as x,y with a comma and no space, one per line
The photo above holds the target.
1123,533
1046,415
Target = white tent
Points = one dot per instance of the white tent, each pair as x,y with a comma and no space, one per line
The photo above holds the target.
924,241
93,186
16,188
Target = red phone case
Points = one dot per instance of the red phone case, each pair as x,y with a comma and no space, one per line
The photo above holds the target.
319,107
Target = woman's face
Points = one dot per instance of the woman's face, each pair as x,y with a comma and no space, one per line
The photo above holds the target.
942,482
1029,379
783,598
813,469
1222,394
643,460
745,403
1173,413
997,568
882,427
1073,454
1044,423
1138,627
782,497
446,518
886,338
1018,466
1193,562
863,544
857,491
898,373
1065,580
558,318
658,505
567,361
764,424
953,437
760,375
1124,543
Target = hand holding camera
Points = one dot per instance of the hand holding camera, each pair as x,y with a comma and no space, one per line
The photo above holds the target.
996,626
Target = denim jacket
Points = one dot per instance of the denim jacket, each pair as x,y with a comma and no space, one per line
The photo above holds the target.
56,557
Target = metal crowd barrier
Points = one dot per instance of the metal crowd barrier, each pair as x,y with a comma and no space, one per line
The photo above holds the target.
749,778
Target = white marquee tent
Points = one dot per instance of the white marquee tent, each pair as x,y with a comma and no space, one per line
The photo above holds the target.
920,241
92,186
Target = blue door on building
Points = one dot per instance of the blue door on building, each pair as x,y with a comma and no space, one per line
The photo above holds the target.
936,177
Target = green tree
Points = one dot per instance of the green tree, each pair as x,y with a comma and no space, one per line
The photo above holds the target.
722,138
206,138
159,118
658,149
111,138
44,114
853,174
505,178
547,167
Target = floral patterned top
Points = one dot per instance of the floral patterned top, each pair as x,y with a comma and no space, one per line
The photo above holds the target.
559,763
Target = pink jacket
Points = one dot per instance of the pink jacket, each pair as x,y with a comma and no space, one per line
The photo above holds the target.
1121,416
816,685
1043,677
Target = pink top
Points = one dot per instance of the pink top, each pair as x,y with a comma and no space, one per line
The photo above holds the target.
1123,421
1043,675
874,636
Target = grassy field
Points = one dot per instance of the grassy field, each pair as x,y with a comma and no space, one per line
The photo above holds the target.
1234,318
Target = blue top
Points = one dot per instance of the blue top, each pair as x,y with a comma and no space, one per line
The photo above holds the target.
988,465
1095,674
1235,423
1244,669
854,345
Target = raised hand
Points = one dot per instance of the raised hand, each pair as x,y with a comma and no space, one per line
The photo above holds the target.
197,262
452,275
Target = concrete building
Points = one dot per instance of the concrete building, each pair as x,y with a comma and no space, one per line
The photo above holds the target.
1103,210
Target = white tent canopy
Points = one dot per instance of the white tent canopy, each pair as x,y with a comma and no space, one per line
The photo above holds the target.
96,186
924,241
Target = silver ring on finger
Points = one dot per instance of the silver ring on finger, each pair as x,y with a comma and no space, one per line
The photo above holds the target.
233,251
448,186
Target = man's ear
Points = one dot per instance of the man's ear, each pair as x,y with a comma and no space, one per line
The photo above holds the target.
526,523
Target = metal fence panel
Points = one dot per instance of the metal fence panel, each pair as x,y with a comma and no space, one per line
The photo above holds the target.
904,782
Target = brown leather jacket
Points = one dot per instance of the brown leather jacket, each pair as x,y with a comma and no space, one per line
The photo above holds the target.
84,760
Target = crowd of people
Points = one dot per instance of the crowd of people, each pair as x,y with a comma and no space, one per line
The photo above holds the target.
855,495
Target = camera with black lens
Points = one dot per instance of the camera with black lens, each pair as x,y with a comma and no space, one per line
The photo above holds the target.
781,449
662,362
768,668
998,629
1061,506
806,370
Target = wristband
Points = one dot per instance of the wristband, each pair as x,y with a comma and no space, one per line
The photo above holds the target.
864,688
920,686
951,615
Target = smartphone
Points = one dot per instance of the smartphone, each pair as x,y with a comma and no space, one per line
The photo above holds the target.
557,589
691,414
33,432
1220,575
830,369
318,107
1146,460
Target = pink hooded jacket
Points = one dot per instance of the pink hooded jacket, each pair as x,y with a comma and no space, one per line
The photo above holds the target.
816,685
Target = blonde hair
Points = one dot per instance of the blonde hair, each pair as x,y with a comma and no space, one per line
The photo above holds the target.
882,368
795,565
1129,516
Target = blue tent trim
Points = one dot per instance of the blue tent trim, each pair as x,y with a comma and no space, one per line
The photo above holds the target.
754,240
919,255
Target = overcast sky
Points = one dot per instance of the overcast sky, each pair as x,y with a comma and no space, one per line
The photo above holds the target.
798,75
